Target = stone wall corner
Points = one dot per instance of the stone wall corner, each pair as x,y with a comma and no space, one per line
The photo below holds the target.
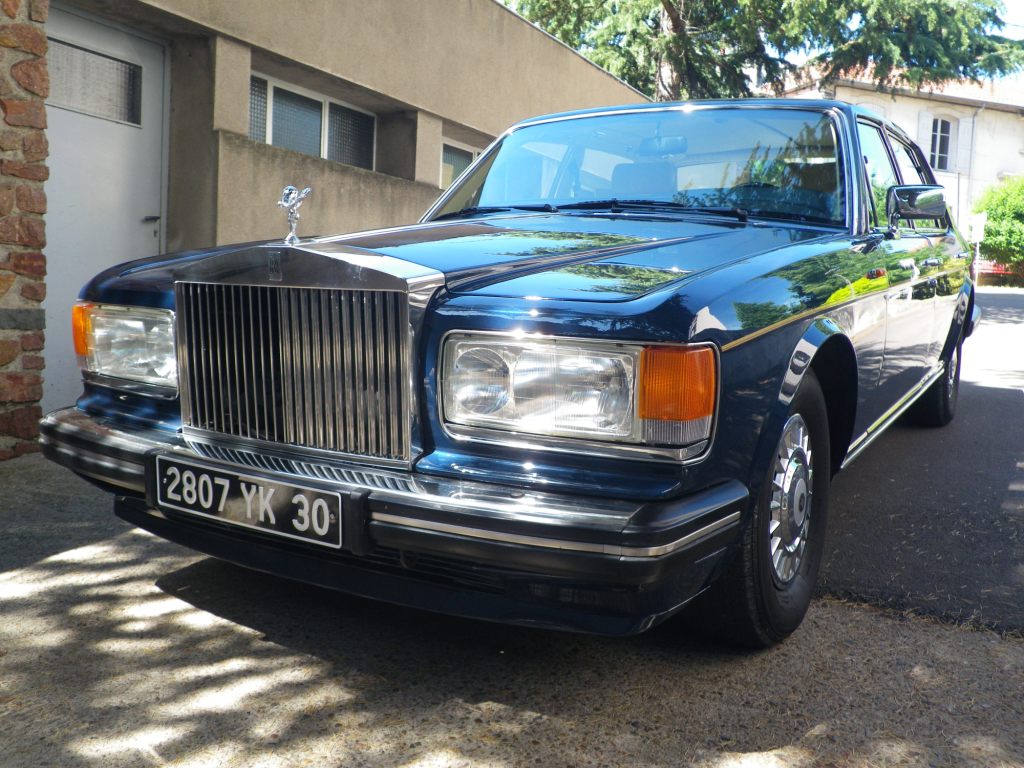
24,87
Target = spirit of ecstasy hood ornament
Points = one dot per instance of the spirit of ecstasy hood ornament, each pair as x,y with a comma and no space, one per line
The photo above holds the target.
290,200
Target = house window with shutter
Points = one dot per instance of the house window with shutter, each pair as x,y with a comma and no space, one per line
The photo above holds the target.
941,131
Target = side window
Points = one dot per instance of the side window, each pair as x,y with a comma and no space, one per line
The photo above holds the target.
880,171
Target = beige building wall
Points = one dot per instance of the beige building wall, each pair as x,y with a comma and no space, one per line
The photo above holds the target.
431,71
471,61
345,199
987,137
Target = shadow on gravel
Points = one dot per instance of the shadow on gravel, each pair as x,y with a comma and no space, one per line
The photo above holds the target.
468,690
132,652
45,509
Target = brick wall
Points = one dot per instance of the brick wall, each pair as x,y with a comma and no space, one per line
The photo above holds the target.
24,85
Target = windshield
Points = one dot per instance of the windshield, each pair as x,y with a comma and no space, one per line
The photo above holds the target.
767,162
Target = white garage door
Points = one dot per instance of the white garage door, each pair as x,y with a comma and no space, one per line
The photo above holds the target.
106,118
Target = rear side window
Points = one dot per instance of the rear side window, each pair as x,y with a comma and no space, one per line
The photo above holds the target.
911,172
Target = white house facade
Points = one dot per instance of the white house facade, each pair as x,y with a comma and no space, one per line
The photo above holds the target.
972,133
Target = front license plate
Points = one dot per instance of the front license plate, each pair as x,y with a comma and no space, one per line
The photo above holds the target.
283,509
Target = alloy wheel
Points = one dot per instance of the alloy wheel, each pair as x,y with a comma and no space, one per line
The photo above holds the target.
791,494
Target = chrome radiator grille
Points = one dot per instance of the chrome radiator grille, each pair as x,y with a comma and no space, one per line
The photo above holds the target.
317,368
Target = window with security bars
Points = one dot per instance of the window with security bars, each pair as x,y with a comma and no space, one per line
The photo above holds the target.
350,137
941,130
454,160
305,122
257,109
297,122
94,83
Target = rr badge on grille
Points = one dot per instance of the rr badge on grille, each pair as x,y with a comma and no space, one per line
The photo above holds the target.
274,272
290,200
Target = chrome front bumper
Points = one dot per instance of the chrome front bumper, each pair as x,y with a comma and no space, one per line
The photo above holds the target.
480,550
414,503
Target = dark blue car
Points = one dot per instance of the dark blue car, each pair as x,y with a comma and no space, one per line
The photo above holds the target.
608,377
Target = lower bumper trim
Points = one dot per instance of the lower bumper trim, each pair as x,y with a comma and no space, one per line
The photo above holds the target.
467,589
710,529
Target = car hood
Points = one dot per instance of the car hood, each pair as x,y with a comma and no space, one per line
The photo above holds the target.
574,257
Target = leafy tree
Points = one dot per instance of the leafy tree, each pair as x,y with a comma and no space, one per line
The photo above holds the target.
622,278
672,49
753,315
1004,230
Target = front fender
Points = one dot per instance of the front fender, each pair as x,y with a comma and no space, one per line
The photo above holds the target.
824,347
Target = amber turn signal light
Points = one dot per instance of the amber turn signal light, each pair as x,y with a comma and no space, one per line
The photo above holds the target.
677,383
81,328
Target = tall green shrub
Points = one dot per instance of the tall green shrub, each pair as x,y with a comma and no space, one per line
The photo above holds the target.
1004,231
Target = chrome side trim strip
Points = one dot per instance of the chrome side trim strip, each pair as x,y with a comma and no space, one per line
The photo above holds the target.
571,546
691,538
886,419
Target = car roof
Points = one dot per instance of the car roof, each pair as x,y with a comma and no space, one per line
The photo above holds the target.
661,105
852,110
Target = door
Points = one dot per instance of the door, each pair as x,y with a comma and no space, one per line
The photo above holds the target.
944,265
910,297
106,126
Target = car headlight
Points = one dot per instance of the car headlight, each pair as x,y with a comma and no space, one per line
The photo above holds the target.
657,395
133,343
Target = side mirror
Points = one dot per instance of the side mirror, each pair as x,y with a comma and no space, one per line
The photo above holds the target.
914,201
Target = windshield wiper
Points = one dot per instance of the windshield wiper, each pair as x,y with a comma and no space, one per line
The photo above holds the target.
740,214
616,204
470,210
790,216
584,205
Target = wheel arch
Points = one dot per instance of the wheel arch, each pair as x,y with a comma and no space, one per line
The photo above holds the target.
825,349
963,318
835,365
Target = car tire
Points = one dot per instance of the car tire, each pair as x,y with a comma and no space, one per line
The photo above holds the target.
937,406
764,593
